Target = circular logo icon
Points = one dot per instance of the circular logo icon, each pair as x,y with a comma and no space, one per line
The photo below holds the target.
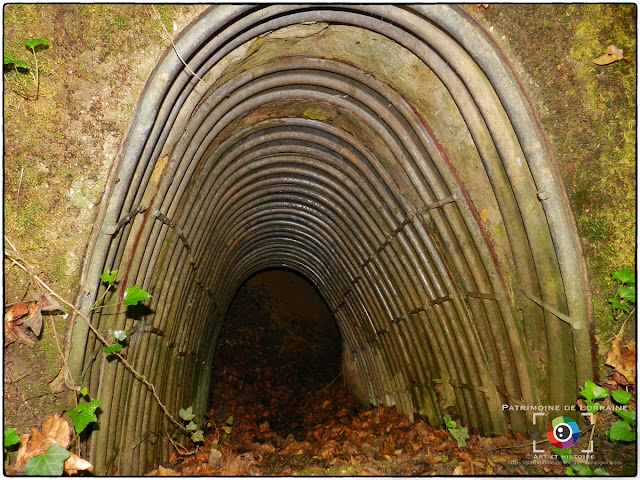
563,432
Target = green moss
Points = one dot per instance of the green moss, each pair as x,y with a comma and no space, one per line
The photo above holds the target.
314,114
60,267
167,12
604,183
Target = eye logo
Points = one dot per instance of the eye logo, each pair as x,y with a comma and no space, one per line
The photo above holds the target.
563,432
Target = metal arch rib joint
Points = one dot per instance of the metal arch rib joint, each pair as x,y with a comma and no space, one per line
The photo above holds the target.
372,186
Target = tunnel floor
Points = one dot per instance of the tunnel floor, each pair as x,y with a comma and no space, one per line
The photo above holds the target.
279,405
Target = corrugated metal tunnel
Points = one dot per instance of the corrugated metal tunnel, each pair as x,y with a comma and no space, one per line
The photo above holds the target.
389,155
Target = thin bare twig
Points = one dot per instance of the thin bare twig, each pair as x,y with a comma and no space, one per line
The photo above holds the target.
332,382
17,259
68,370
619,334
174,46
178,447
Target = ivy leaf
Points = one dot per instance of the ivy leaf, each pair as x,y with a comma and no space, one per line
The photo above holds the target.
230,420
624,276
617,305
84,392
10,60
563,453
448,422
48,464
133,295
192,426
187,415
197,436
621,396
226,429
592,391
84,414
32,43
627,293
112,348
583,470
120,335
628,416
621,432
109,277
600,472
569,472
11,437
460,435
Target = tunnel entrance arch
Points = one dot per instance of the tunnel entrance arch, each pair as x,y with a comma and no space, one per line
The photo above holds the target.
388,154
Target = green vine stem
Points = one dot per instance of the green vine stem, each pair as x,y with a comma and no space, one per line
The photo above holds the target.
17,259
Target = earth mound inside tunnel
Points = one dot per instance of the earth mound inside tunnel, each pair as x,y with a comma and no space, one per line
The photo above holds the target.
278,344
277,335
389,155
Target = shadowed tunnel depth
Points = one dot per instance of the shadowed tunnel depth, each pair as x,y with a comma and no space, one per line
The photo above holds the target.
390,156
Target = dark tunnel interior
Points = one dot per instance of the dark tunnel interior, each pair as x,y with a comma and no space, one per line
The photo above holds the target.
278,346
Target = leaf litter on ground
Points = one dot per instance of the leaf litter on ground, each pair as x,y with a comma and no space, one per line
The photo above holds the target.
289,423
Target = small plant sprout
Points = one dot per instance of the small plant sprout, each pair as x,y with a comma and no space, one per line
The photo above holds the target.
625,297
37,44
20,66
84,413
621,431
11,438
592,392
187,415
120,336
460,435
108,277
132,296
227,428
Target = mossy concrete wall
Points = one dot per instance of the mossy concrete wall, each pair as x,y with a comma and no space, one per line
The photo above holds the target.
59,149
588,113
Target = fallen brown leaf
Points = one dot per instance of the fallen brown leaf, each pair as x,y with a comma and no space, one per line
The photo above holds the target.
13,317
611,54
446,446
32,445
165,472
48,304
57,429
623,359
75,464
458,471
34,320
464,456
10,333
18,310
611,384
503,459
620,379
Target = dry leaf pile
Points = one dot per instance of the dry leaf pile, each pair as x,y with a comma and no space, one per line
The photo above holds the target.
623,360
287,421
15,323
55,430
